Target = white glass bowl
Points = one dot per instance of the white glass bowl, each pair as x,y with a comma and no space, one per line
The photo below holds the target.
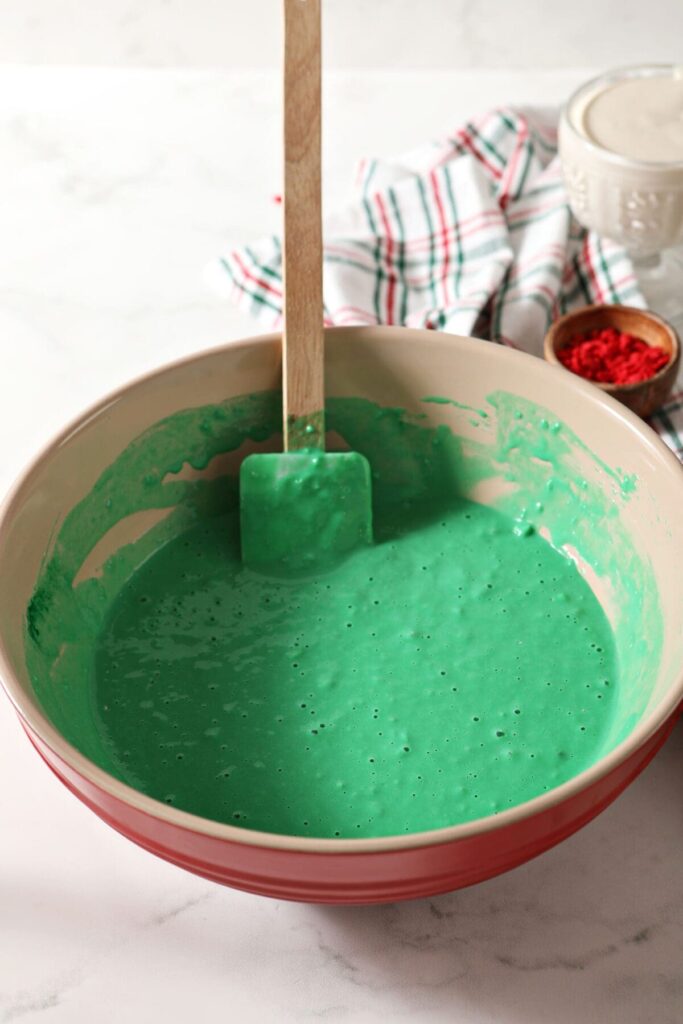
638,203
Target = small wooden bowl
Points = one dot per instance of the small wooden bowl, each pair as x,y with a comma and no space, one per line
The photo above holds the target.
646,396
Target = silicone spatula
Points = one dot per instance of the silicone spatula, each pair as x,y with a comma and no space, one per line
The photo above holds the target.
305,508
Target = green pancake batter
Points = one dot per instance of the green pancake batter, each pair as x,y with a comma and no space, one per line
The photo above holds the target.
448,672
457,667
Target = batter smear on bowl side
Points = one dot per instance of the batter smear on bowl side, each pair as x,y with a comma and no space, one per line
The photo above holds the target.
457,667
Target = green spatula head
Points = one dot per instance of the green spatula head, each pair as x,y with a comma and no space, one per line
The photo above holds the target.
306,509
303,511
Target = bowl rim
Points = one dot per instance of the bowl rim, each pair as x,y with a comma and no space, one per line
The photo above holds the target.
37,723
622,73
608,387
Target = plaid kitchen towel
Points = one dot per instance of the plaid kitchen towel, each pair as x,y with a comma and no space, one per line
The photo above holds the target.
470,235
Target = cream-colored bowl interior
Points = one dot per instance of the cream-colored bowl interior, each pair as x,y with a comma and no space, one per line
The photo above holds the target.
630,546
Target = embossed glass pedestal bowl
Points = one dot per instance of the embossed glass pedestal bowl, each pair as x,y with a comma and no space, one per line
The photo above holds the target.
397,368
637,203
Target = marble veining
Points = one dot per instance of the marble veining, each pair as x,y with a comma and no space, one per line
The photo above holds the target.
117,189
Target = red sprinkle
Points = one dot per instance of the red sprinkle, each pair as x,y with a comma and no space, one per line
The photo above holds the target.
612,357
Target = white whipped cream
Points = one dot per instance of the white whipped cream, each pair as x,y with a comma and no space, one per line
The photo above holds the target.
640,118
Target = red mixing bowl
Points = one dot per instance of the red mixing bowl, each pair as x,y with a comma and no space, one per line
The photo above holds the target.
395,367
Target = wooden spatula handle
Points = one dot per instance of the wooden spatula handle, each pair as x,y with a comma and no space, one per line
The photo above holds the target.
303,394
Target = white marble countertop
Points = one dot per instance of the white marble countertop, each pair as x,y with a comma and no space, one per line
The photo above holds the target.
116,188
